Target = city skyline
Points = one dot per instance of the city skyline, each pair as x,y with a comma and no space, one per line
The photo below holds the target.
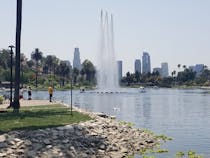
175,32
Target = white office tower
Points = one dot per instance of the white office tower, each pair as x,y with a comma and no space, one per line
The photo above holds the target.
164,69
119,66
146,65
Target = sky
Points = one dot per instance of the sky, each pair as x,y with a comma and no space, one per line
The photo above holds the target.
177,32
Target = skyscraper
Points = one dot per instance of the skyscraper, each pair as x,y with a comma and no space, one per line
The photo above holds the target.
164,69
137,65
146,66
119,67
76,61
157,69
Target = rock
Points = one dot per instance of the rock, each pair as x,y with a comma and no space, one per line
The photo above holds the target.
102,115
30,154
65,141
2,154
3,145
27,142
46,141
37,146
123,150
17,140
9,151
70,154
83,155
150,141
102,147
18,144
2,138
19,151
49,146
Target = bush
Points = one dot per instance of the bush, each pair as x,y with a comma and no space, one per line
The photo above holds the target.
1,99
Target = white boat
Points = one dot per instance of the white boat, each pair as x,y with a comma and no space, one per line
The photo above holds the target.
155,87
142,90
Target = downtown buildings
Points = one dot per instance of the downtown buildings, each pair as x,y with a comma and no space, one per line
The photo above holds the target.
163,70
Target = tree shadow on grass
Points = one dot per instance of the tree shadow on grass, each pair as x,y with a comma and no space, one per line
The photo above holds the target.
27,113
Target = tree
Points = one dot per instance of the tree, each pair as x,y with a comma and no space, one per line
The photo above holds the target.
22,59
49,62
16,104
89,70
137,76
30,63
186,76
184,67
5,58
75,74
37,56
179,65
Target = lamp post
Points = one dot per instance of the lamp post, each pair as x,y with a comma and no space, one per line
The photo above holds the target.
71,90
11,64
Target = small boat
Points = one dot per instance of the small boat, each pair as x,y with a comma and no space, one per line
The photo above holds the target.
155,87
82,90
142,90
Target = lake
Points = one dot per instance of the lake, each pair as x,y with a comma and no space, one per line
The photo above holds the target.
181,114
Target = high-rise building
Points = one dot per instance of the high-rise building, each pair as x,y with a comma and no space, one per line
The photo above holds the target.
164,69
119,67
137,66
146,65
198,68
76,61
157,69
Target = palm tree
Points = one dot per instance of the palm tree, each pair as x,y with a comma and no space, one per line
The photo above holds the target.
64,71
89,70
75,74
16,104
22,59
37,56
184,67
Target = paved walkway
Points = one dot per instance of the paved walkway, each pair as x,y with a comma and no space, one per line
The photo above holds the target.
28,103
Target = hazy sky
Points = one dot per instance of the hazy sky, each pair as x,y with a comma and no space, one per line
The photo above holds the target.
173,31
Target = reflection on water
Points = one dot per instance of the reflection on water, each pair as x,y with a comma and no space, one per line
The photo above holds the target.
183,115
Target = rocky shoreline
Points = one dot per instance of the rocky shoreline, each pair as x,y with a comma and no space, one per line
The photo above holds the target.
99,137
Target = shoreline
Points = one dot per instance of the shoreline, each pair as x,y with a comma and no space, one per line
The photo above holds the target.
99,137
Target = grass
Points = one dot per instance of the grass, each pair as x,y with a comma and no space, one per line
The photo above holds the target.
36,117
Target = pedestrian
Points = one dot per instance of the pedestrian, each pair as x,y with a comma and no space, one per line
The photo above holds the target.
50,91
29,93
21,93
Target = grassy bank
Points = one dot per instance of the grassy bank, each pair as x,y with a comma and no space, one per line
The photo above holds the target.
36,117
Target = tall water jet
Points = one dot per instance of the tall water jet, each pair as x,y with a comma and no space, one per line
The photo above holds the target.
107,75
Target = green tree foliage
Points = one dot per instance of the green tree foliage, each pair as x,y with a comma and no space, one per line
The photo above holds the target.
5,58
186,75
88,70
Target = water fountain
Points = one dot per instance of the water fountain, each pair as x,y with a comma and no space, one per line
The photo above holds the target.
107,75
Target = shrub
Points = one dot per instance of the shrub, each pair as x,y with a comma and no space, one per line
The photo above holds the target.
1,99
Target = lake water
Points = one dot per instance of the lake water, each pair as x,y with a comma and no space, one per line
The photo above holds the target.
181,114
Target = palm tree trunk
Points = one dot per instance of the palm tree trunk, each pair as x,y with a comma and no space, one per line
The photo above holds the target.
16,104
36,72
